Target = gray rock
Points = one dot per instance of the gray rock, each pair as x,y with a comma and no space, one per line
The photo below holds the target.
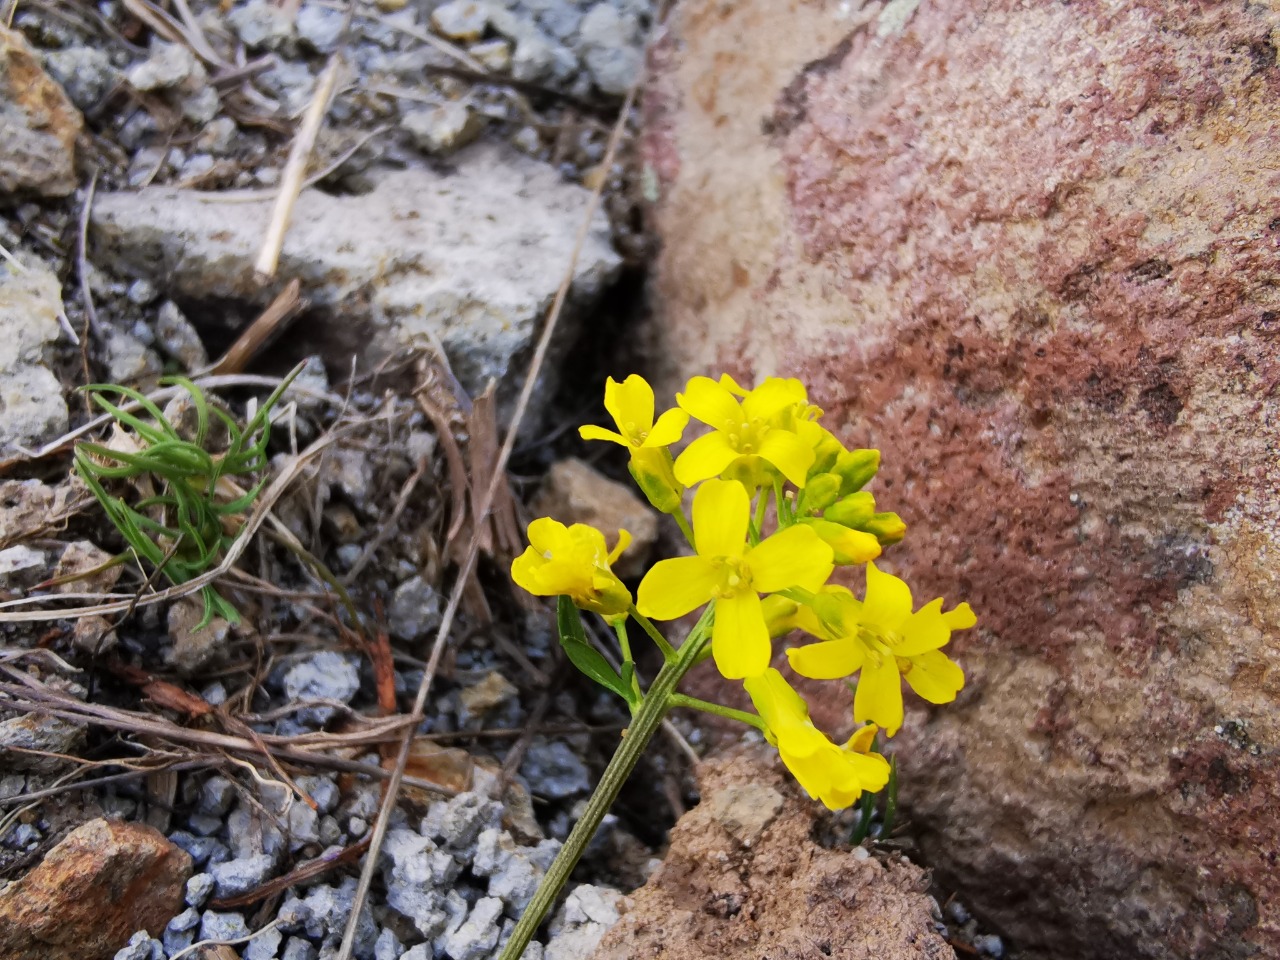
296,948
86,73
181,931
464,816
990,945
414,611
204,824
204,851
388,946
216,796
330,832
31,404
323,676
494,848
322,790
611,47
478,934
40,124
455,909
141,292
444,128
553,770
263,946
200,106
22,837
194,647
128,359
32,731
261,24
222,926
320,27
141,947
472,257
575,931
168,65
12,785
241,875
198,890
494,54
218,137
515,883
22,567
462,20
304,826
958,912
251,834
424,908
421,952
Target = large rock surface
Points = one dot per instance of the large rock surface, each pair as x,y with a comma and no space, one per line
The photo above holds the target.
743,880
104,881
473,256
1029,250
38,124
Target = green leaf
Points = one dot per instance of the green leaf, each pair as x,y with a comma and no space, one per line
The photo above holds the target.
584,656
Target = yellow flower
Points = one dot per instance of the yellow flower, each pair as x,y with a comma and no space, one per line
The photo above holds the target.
574,562
759,429
630,403
888,642
733,573
835,775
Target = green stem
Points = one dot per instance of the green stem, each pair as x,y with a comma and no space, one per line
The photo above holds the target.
620,628
668,651
757,525
706,706
637,736
684,527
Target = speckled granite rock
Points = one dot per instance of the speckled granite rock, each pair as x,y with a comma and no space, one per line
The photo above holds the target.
1029,251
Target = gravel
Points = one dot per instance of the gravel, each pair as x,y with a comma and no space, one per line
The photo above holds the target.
322,676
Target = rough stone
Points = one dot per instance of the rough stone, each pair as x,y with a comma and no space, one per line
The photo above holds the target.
324,676
261,24
31,404
589,912
1027,251
234,877
612,48
491,690
22,567
472,257
178,338
40,124
103,882
84,559
478,934
716,896
443,128
576,492
553,770
33,731
85,73
128,359
414,610
463,20
194,647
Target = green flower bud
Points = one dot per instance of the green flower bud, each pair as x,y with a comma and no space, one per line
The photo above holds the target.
856,468
852,511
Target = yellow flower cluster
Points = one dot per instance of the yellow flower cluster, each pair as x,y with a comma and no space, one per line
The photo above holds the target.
765,461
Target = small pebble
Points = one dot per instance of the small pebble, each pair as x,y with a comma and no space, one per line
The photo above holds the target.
297,948
141,947
198,890
957,912
463,20
263,946
990,944
222,926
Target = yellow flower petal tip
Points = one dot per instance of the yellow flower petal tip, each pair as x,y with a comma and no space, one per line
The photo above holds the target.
575,562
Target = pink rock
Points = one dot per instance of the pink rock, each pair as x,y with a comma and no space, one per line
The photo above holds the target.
1030,252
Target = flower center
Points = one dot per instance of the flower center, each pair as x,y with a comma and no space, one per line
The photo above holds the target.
745,436
734,578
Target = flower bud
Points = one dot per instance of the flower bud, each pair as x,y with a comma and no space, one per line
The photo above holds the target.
856,468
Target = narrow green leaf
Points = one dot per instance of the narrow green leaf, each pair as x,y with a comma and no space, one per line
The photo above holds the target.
573,638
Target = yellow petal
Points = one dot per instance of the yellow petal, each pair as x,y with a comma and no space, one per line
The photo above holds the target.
712,403
591,431
935,677
705,457
828,660
863,738
731,385
794,557
674,587
776,701
630,403
791,455
888,600
961,618
739,639
773,396
668,428
624,541
879,695
548,536
926,629
721,512
524,571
